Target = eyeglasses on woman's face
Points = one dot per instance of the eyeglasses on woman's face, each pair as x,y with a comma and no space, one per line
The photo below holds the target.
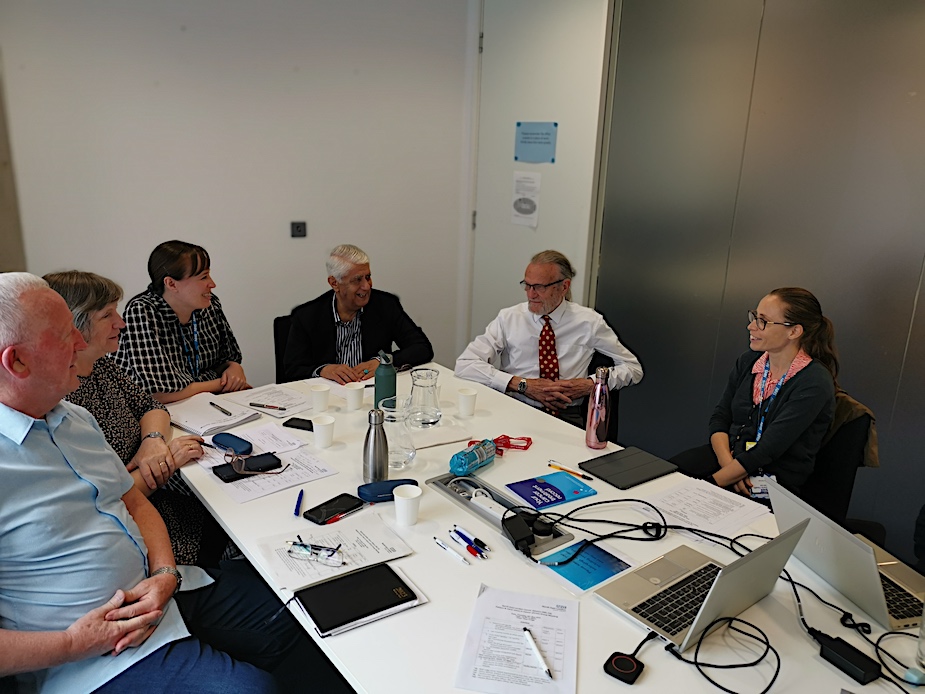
763,323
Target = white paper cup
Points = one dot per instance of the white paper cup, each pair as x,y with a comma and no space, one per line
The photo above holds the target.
407,503
320,393
355,393
465,399
323,425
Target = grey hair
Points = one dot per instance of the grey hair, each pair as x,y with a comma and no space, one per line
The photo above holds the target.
343,258
13,316
85,293
558,259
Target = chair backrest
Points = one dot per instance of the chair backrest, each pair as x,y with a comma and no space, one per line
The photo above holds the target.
280,338
830,486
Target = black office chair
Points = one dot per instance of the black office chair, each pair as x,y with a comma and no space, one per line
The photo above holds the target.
830,486
280,338
602,360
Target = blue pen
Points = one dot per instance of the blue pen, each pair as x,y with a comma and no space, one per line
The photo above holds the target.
298,503
474,541
460,539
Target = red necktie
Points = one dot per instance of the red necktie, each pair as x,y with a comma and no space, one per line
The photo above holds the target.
549,360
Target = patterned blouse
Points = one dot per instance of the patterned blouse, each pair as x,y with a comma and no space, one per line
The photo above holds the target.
118,403
163,356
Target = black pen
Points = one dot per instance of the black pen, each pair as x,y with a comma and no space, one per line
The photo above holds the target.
220,409
268,407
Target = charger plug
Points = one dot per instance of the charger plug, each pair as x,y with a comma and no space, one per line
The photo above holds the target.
518,532
846,657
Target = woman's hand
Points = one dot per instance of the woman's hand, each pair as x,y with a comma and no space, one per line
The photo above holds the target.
185,449
154,461
233,378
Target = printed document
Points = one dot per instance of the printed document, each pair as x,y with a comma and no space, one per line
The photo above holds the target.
364,540
291,400
705,506
497,657
303,467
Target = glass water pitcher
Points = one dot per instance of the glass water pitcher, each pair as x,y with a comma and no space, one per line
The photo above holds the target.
424,410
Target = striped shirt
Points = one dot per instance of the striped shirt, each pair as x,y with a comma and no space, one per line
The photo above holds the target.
349,340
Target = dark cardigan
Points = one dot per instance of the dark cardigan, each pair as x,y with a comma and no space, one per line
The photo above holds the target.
793,427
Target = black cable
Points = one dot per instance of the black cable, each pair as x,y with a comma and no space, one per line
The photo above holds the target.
651,635
761,638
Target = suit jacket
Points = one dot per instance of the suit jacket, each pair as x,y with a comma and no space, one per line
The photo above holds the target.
313,334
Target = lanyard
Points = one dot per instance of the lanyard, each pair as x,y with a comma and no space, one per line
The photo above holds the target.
764,382
194,369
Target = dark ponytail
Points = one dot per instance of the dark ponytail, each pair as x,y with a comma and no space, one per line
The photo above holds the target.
818,339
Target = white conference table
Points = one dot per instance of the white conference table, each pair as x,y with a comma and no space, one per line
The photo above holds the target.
418,650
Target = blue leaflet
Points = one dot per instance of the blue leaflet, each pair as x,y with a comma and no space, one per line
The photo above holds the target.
551,490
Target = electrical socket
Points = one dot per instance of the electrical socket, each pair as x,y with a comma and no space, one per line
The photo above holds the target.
299,230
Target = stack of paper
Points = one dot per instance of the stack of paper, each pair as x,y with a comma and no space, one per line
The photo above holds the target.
204,414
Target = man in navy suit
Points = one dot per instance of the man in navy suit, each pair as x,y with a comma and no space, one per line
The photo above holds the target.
338,335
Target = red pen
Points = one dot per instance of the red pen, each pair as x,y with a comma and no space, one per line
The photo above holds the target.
469,548
336,518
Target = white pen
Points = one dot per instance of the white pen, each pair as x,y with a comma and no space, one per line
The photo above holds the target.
536,651
442,545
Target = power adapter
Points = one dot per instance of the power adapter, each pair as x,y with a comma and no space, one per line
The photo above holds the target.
846,657
518,532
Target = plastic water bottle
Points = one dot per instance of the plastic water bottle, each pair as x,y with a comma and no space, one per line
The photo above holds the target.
375,450
598,410
472,458
385,379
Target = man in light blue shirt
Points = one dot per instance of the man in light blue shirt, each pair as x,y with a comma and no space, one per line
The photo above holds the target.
86,568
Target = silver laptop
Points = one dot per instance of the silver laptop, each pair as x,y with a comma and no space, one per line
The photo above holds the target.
871,578
679,594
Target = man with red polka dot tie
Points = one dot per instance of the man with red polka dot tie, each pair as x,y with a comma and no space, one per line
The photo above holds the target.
540,351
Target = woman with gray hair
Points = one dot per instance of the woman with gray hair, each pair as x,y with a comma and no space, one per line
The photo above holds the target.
135,424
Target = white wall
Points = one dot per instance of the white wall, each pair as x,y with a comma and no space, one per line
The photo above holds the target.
543,61
220,121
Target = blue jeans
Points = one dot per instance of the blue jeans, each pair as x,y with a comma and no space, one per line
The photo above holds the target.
233,645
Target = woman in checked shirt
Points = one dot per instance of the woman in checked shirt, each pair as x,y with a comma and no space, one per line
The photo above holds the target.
177,341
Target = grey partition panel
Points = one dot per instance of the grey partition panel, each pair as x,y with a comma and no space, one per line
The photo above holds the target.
830,198
833,199
683,81
833,179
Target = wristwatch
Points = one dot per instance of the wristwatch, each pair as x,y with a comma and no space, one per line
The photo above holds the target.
522,386
156,435
173,572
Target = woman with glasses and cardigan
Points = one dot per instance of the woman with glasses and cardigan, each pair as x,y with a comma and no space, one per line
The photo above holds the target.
778,402
135,425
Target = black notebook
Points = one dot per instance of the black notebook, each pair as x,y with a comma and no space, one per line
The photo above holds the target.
627,468
376,591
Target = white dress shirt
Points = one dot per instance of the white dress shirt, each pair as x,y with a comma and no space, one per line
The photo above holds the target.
509,347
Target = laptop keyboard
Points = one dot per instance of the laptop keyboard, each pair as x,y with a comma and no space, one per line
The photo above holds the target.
673,610
900,603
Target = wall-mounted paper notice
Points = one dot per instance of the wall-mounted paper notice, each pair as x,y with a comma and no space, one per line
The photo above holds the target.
525,202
